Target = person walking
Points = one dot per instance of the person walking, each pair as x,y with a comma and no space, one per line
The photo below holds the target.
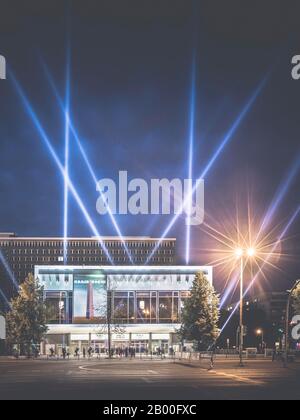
77,353
90,350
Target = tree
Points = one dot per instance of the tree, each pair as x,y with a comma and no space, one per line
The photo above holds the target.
110,319
26,320
296,300
200,314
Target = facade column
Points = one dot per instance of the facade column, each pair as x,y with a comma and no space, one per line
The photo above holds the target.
170,342
150,343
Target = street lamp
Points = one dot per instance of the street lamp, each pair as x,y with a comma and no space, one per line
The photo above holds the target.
287,316
240,253
259,333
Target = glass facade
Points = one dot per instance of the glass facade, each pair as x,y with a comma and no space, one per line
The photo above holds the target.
135,295
59,307
152,307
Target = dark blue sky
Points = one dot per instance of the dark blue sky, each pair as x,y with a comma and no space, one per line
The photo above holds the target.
131,75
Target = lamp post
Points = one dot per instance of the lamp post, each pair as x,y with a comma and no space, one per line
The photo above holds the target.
240,253
287,317
259,333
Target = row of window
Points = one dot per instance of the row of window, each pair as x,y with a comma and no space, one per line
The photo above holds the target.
80,261
84,244
129,307
14,260
86,252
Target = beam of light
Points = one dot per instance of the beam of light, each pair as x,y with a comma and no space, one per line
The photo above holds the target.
67,155
276,244
87,162
283,233
5,298
283,189
272,208
227,138
47,142
229,290
9,271
190,161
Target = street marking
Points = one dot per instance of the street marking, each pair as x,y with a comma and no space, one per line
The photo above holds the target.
147,380
238,378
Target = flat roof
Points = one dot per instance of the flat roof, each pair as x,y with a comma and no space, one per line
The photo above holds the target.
124,269
92,238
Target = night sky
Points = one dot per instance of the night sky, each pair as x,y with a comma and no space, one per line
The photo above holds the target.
130,79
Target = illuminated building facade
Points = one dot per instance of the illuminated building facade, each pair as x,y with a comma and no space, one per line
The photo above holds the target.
145,301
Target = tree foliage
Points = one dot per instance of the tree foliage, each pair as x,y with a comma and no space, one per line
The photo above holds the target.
200,314
296,300
26,320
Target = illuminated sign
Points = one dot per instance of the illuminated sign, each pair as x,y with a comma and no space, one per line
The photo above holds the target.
90,299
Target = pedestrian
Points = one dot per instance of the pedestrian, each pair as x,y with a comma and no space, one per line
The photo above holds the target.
98,352
90,350
76,354
84,352
212,359
64,353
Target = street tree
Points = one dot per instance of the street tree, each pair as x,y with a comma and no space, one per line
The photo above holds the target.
296,300
200,315
26,320
111,318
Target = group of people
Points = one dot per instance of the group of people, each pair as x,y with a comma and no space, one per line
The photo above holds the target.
121,352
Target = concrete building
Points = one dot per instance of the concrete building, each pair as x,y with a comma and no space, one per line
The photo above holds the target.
145,303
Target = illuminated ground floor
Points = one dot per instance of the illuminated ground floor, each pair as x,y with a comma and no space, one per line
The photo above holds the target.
140,338
143,305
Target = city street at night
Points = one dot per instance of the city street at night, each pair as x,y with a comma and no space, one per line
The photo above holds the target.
149,204
146,379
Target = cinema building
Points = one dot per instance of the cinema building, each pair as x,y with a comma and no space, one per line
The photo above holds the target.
145,303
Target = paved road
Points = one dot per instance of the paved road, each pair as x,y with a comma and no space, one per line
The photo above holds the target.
150,380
